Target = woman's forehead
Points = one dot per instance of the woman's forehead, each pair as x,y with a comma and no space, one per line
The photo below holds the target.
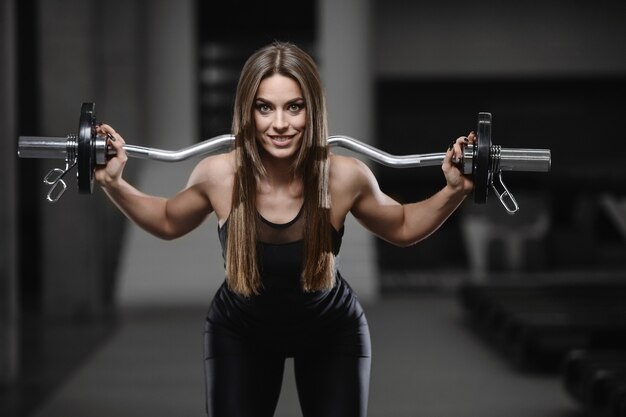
278,87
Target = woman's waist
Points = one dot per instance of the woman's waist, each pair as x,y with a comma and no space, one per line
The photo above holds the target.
340,331
286,307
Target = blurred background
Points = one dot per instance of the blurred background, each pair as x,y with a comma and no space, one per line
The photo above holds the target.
99,318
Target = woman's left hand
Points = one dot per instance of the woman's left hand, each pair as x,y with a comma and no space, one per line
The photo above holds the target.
452,165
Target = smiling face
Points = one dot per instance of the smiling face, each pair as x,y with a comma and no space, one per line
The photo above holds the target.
279,117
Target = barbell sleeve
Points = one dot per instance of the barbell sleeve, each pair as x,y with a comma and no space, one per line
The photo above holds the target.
42,147
527,160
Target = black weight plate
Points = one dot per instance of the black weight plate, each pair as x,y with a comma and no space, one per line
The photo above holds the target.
481,159
85,152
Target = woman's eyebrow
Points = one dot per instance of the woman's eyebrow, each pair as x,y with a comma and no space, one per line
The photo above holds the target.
264,100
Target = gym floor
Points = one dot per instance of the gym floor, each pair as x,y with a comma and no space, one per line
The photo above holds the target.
427,362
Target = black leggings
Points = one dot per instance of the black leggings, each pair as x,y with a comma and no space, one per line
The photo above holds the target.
244,378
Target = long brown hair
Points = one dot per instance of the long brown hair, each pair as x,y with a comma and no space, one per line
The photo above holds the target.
311,164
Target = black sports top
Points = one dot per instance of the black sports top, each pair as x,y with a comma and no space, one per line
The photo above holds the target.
283,313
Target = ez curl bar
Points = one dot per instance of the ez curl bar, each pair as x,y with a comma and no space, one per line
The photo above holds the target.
483,160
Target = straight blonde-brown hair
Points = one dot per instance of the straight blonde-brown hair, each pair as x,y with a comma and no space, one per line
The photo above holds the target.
311,164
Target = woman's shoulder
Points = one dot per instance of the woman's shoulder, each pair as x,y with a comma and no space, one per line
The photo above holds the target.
348,168
349,177
223,161
214,168
343,162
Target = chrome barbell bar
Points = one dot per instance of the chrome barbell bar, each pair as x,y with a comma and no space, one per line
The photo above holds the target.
87,149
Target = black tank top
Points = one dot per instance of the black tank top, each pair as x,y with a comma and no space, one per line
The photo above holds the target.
283,312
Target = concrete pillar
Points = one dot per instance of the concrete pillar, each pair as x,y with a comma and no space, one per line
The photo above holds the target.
88,54
188,270
345,63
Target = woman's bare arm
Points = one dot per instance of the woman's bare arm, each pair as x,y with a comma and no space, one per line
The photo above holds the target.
407,224
167,218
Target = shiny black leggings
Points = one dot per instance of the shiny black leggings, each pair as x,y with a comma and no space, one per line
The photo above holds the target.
243,378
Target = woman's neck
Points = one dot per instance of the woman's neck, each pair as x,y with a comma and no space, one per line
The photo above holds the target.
281,182
279,195
279,173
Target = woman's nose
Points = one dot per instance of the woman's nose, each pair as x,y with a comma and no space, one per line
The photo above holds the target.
280,122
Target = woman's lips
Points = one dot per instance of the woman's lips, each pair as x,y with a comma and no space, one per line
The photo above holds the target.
282,141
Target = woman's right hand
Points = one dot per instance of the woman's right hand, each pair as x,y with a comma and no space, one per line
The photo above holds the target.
110,174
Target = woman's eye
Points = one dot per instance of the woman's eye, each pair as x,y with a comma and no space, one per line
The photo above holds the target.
296,107
263,108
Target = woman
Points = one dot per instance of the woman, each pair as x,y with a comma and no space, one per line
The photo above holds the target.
281,200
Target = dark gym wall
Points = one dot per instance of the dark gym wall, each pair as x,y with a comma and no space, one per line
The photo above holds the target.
453,38
8,214
223,49
552,74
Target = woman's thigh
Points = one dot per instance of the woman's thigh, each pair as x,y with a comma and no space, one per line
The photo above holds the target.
241,381
335,381
333,385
